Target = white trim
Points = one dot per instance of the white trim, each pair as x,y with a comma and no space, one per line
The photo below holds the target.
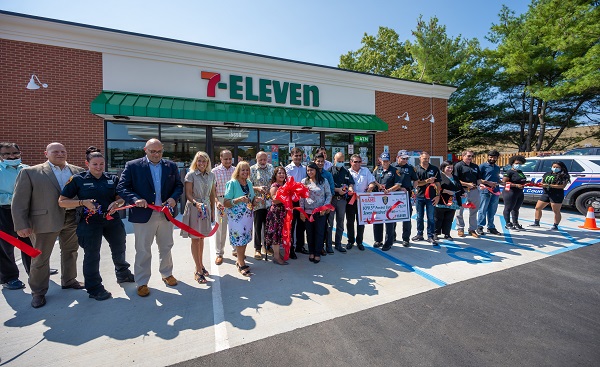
25,29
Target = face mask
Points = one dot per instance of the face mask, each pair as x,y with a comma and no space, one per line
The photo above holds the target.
12,162
339,164
516,166
556,169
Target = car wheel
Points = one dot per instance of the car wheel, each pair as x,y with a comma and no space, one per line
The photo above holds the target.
587,199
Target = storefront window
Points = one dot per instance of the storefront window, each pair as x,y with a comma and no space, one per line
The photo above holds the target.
363,145
235,135
338,139
131,130
274,137
182,153
189,133
120,152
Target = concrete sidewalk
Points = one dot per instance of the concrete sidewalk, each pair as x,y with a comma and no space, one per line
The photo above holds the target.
193,320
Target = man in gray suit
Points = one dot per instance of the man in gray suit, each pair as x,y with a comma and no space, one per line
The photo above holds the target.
36,213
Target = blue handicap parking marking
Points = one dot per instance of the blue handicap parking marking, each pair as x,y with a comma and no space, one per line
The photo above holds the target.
456,251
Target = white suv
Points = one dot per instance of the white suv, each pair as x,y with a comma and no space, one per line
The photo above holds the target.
584,189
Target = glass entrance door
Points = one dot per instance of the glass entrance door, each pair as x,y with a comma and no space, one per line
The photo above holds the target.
245,152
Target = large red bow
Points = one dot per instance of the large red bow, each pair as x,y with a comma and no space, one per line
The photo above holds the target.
288,193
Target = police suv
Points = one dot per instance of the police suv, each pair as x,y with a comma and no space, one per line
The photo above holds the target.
584,189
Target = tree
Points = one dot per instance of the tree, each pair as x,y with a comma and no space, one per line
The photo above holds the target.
547,70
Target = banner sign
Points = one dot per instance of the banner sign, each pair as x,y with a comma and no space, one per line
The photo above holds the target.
378,207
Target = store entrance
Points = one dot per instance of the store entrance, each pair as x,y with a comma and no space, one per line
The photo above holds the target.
240,152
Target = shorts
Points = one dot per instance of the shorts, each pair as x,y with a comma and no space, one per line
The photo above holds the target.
552,198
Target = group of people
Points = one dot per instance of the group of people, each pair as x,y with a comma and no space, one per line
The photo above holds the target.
80,207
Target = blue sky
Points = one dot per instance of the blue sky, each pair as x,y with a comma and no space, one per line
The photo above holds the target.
309,30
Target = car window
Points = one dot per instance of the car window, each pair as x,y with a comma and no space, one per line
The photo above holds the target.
529,166
596,162
575,167
547,164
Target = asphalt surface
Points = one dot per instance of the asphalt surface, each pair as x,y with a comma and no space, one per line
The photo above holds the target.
543,313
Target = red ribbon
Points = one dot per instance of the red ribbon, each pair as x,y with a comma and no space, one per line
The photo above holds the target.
317,210
469,205
33,252
165,210
288,193
482,186
352,198
428,189
533,184
389,211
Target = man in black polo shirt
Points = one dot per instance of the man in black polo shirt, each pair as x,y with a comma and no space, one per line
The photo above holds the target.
344,186
469,175
407,176
428,188
387,180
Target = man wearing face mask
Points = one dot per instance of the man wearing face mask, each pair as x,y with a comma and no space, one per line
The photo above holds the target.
343,191
10,166
490,179
260,176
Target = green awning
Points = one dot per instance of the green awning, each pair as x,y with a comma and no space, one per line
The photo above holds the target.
130,105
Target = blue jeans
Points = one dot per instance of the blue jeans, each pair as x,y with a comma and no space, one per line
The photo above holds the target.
487,209
423,204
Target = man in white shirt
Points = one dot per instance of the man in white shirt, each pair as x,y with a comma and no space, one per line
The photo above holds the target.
298,172
364,181
328,165
223,174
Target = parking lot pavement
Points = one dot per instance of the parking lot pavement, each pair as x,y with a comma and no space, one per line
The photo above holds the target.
192,320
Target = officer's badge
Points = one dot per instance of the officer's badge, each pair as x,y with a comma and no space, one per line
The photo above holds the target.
385,199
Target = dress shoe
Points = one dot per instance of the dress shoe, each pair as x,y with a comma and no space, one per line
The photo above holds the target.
386,247
38,301
435,237
461,232
432,241
330,251
493,231
143,291
74,285
418,238
518,227
323,253
101,296
170,281
349,246
405,243
378,244
293,255
126,279
13,285
219,260
361,246
53,271
474,234
480,231
340,248
448,237
302,251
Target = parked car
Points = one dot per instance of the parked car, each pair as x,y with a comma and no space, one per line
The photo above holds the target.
583,151
581,193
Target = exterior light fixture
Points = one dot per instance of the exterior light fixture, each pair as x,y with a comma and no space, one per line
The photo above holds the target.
121,117
405,127
33,85
430,118
405,116
306,127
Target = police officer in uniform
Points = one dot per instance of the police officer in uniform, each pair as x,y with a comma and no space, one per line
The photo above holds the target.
387,180
96,196
407,175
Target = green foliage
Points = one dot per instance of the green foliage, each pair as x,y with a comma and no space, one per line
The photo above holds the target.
543,74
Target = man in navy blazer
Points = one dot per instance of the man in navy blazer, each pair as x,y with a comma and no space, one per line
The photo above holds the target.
151,180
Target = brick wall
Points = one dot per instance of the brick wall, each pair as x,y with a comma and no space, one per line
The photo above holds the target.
61,112
388,106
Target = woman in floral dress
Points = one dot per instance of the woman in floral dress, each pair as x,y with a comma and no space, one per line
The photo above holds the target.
276,217
199,210
239,200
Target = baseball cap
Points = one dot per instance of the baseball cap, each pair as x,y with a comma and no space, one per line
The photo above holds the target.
385,156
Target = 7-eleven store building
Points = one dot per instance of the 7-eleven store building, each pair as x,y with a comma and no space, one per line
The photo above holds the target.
82,85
